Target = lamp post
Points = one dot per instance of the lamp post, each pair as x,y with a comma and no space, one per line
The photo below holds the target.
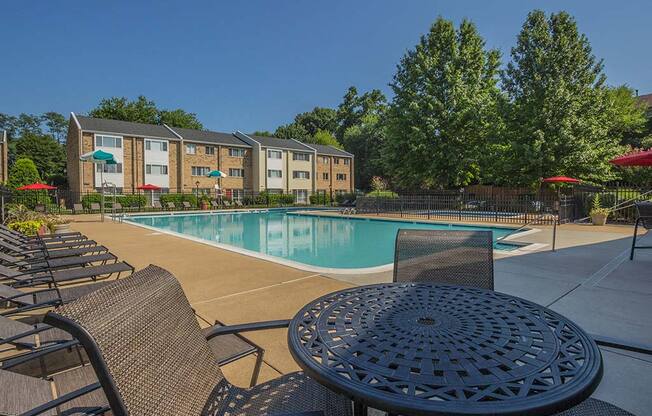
197,192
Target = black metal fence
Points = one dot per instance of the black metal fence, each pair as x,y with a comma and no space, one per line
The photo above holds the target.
68,202
618,197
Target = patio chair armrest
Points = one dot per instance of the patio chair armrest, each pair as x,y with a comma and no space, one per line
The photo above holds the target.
255,326
14,361
41,305
22,295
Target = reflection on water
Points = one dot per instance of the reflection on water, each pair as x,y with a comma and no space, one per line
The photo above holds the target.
318,241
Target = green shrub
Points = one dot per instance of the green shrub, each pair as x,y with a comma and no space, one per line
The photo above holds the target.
23,172
320,199
267,198
29,227
339,198
177,199
382,194
124,200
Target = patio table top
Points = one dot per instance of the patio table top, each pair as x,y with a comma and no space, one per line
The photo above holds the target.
418,348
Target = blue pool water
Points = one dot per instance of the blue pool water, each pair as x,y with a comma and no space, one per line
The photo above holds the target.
323,241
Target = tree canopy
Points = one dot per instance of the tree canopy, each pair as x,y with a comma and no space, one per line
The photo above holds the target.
23,172
143,110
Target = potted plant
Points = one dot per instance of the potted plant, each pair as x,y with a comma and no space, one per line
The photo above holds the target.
58,225
598,214
204,201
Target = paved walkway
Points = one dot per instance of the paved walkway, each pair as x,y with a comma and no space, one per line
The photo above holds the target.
589,279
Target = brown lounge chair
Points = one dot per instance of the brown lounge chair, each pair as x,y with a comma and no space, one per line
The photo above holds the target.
95,207
171,206
157,205
186,205
78,209
214,204
176,371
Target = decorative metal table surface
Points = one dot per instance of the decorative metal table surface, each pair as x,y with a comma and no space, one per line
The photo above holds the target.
424,349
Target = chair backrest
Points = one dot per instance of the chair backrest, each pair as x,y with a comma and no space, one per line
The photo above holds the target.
445,256
645,213
77,207
186,204
117,205
145,345
156,204
171,204
95,206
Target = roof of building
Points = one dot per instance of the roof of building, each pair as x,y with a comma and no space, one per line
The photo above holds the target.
329,150
646,98
102,125
209,137
279,143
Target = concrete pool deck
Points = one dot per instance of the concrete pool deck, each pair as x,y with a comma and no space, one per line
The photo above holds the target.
589,279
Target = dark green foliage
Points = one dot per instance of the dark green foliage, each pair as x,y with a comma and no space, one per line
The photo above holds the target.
143,110
339,198
272,199
292,131
322,198
177,199
444,109
23,172
48,155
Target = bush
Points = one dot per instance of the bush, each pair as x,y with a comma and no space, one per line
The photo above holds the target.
339,198
177,199
124,200
320,199
382,194
23,172
265,198
29,227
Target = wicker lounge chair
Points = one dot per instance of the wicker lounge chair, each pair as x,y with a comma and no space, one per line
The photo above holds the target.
157,205
644,218
18,266
49,276
78,209
177,373
443,256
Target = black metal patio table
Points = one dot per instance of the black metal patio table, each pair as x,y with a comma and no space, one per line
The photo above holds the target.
425,349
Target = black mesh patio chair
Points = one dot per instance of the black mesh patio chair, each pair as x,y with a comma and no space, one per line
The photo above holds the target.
37,263
77,208
644,218
167,367
50,275
16,234
595,407
445,256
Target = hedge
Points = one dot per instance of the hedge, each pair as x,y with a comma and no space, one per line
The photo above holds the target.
382,194
177,199
320,199
339,198
266,198
124,200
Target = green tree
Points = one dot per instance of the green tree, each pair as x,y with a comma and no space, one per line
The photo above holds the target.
263,133
57,125
627,119
28,123
292,131
354,108
324,137
48,156
365,140
179,118
140,110
445,94
8,124
557,119
320,118
23,172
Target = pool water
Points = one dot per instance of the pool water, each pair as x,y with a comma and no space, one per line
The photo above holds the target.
322,241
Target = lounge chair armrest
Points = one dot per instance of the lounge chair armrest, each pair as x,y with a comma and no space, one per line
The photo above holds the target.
14,361
255,326
22,309
22,295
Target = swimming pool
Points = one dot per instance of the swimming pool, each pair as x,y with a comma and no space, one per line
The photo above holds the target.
300,239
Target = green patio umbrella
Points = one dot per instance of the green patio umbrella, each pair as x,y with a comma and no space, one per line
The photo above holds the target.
99,157
217,174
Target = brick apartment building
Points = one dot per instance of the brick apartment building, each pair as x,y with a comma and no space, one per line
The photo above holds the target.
178,160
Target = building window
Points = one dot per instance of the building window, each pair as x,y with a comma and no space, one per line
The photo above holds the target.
236,152
236,194
117,168
347,161
156,169
300,195
238,173
210,150
324,176
102,140
200,170
324,160
191,149
271,173
156,145
341,176
301,156
300,174
336,160
274,154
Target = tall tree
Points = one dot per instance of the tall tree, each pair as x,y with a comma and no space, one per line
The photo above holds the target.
292,131
23,172
28,123
627,119
263,133
445,93
8,124
365,140
557,117
324,137
140,110
179,118
354,108
48,155
320,118
57,125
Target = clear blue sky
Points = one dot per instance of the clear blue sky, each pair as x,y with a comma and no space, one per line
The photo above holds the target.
252,65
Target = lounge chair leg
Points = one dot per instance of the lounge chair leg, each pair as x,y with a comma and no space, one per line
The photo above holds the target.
631,254
256,372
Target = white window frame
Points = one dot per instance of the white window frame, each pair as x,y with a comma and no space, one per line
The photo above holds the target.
105,167
269,173
340,177
236,152
209,150
336,160
347,161
163,145
275,152
236,172
300,174
116,139
199,170
163,169
324,176
305,157
191,149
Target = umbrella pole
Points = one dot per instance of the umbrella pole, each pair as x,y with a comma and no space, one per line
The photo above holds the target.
102,194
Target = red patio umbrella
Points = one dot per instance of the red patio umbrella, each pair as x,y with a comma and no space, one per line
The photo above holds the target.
634,159
149,187
36,187
560,179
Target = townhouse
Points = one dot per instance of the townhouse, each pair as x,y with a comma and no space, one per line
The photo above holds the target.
178,160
